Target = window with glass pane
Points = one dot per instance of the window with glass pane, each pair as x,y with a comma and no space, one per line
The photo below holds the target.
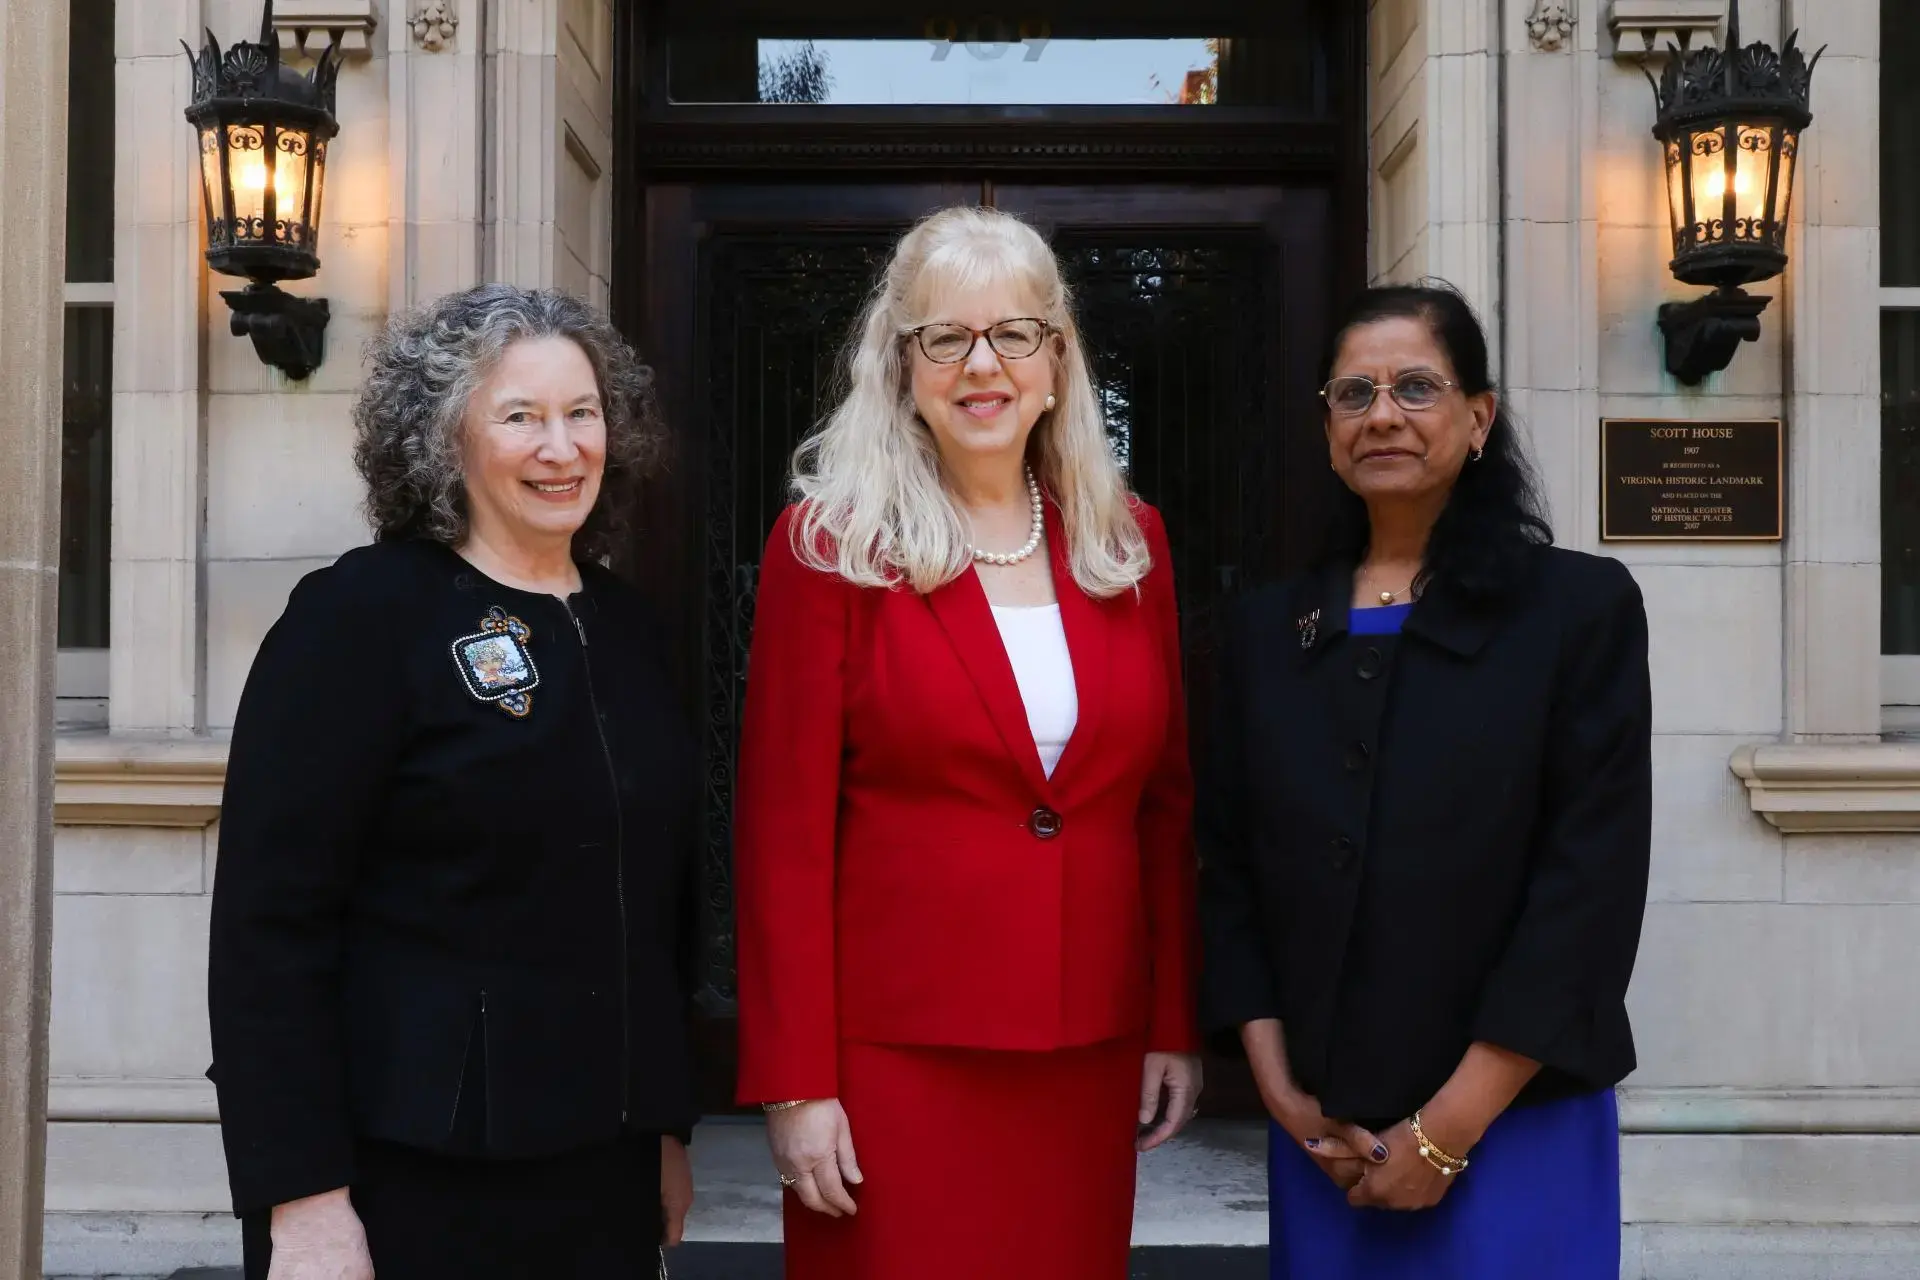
1900,482
1899,144
87,384
1000,64
86,457
1899,338
90,143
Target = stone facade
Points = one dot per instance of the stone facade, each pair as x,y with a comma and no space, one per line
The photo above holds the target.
1774,1124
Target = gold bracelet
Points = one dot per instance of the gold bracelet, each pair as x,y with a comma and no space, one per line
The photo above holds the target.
1430,1151
771,1107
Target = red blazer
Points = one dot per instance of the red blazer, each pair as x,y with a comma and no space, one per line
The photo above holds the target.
906,873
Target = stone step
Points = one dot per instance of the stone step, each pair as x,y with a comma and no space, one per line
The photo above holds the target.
762,1262
1200,1212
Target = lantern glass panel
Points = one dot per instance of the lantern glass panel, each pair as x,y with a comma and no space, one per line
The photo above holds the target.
247,167
1789,160
1752,182
317,183
213,187
1709,148
1677,194
292,163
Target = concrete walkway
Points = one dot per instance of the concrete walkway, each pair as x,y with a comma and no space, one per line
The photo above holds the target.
1207,1187
1201,1215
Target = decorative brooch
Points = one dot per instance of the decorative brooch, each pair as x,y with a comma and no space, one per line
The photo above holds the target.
495,665
1309,625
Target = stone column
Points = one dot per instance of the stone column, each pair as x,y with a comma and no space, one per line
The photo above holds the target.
1832,316
1434,121
436,133
33,166
550,145
160,317
1553,191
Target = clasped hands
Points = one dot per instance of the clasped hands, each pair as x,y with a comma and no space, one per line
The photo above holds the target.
1384,1171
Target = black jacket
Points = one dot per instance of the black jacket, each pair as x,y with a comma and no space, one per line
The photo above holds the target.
436,920
1410,843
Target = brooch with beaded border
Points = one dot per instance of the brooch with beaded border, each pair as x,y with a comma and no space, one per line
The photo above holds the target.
495,664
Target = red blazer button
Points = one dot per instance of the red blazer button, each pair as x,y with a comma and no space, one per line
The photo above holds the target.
1044,823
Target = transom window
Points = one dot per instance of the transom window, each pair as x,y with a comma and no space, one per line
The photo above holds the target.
996,64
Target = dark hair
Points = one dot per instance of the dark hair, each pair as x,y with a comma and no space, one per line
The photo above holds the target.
424,366
1483,541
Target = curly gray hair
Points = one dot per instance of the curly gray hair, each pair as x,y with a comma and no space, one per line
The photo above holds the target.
425,366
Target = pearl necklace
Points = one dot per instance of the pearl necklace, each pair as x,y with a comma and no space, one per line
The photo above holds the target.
1039,528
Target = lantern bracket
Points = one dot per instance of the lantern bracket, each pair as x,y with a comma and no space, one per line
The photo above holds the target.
1703,335
288,333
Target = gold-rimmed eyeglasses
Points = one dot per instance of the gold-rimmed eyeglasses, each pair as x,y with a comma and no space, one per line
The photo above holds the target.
1411,391
948,343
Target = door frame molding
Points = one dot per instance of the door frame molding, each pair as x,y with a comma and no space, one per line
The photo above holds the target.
657,143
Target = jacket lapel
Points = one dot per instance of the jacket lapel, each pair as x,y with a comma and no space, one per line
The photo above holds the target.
963,612
1087,622
1443,617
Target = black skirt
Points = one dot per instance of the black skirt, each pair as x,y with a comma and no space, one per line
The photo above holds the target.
587,1214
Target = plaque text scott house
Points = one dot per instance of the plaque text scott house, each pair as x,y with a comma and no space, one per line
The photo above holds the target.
1665,478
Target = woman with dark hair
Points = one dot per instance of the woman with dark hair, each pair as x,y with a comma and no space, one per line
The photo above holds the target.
1425,837
446,978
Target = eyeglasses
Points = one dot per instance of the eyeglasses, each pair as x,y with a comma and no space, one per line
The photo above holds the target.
1014,339
1411,391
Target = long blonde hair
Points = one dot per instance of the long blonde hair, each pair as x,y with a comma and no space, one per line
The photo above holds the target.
874,509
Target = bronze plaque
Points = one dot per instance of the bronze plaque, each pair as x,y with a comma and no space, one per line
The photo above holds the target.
1664,479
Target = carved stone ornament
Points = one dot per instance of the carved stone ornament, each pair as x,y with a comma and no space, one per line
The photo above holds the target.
305,27
433,24
1550,25
1655,28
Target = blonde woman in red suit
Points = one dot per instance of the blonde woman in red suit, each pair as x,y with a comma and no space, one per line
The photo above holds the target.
963,863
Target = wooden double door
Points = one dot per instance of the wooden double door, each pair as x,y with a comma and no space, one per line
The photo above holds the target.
1204,309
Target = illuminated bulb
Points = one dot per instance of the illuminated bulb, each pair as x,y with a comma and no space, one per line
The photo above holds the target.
253,179
1716,187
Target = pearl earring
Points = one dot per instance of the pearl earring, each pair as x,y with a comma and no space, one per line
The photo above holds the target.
1050,402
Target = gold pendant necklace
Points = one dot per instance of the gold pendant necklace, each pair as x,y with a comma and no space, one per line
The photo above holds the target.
1388,597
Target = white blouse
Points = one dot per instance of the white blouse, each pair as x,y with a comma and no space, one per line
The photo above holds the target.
1036,643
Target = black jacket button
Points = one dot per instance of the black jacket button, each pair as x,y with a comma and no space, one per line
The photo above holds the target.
1044,823
1357,756
1370,664
1342,853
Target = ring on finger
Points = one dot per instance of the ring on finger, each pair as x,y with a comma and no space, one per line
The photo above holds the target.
787,1180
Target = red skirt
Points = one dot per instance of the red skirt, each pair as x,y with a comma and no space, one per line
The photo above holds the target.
981,1165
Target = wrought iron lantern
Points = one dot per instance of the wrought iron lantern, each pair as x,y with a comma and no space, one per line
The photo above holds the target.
1730,122
264,130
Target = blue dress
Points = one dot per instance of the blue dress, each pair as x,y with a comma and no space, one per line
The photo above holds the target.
1541,1200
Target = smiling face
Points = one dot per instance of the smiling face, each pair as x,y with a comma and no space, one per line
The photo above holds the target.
536,445
986,404
1390,453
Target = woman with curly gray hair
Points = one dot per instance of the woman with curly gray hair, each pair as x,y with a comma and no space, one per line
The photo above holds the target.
446,979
